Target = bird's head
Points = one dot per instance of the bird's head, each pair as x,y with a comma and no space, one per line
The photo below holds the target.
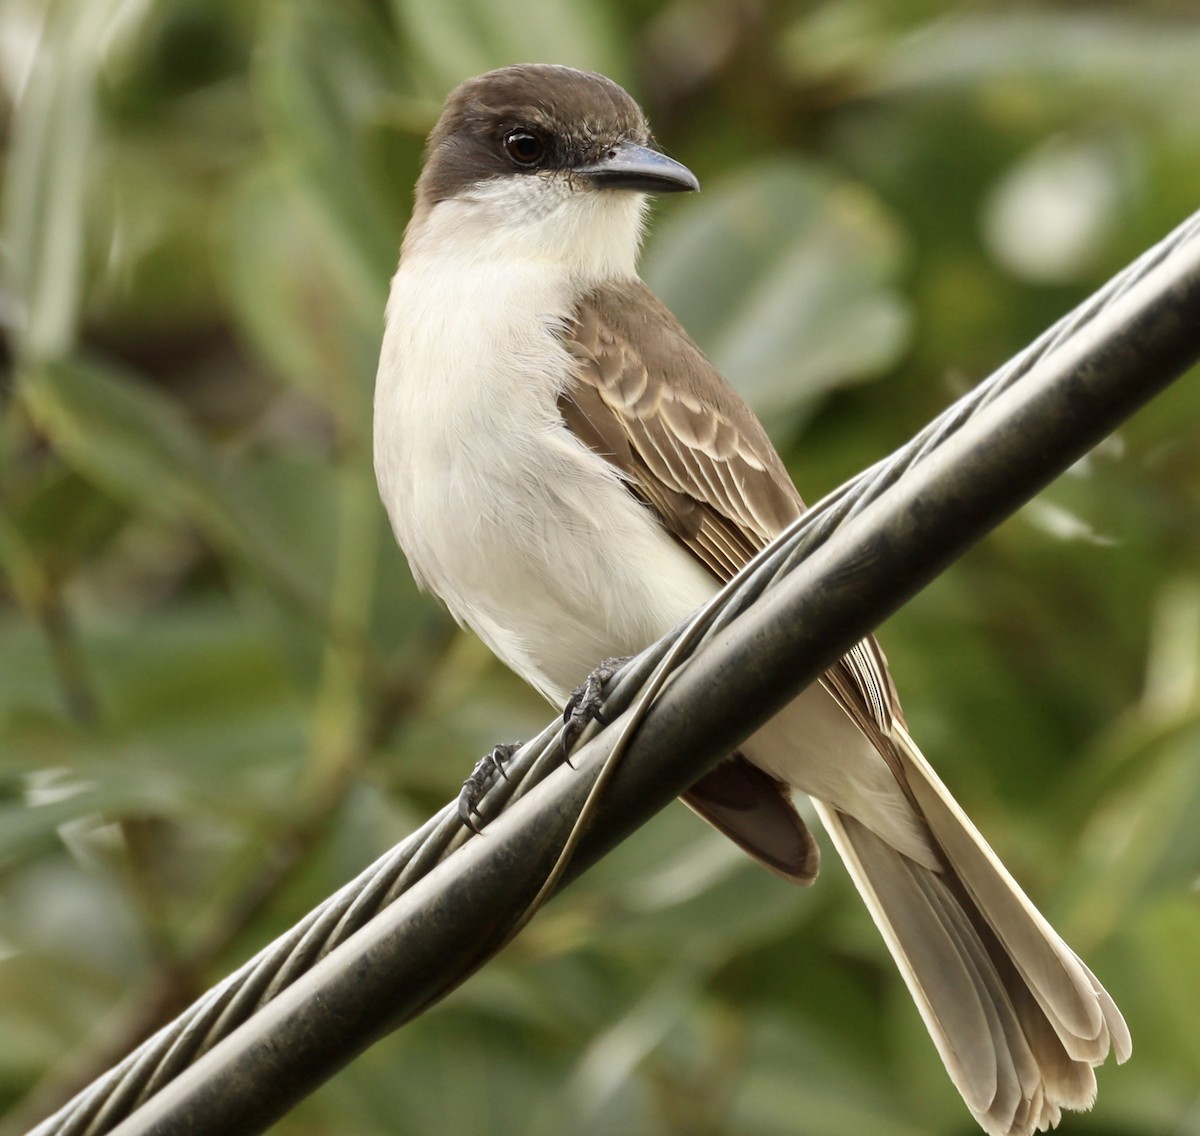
546,161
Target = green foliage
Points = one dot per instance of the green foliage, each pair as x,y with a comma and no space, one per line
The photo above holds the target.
220,693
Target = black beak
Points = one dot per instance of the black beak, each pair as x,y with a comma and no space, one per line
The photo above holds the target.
630,166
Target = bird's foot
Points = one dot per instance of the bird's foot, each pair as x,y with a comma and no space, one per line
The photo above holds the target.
586,704
481,776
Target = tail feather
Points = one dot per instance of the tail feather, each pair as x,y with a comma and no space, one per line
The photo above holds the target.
1007,1069
1086,1019
1017,1018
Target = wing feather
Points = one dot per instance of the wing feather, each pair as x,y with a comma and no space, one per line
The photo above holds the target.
698,467
691,450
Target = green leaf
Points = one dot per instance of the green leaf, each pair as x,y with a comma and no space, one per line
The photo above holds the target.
49,168
26,829
793,1078
128,438
298,297
455,39
325,76
135,443
1086,54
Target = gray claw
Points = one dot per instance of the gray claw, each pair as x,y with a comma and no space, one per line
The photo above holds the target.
474,787
586,704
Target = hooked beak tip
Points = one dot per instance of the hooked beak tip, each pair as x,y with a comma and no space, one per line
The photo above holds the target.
630,165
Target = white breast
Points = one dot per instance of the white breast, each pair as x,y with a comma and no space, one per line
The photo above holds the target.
525,534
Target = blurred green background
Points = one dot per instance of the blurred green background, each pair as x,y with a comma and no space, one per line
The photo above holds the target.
221,694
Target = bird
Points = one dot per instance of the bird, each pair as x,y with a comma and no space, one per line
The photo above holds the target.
565,469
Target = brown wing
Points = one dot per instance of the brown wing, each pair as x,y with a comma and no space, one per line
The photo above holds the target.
645,397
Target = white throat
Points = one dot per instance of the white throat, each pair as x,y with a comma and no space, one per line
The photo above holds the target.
591,236
524,533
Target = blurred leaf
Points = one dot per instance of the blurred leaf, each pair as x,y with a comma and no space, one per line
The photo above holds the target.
137,445
1145,834
603,1076
794,1080
297,297
1084,54
127,437
26,829
785,277
1169,935
459,1073
48,174
325,75
455,39
195,695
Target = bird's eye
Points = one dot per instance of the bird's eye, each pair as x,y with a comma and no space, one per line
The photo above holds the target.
524,148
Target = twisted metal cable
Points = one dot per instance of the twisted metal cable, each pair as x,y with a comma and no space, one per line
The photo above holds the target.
228,1005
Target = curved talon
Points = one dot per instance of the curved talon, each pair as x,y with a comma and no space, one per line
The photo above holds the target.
476,783
464,814
586,704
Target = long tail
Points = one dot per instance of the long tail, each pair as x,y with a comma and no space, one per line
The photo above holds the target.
1016,1016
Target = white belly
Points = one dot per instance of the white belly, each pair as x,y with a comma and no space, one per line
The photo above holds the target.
527,536
533,541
